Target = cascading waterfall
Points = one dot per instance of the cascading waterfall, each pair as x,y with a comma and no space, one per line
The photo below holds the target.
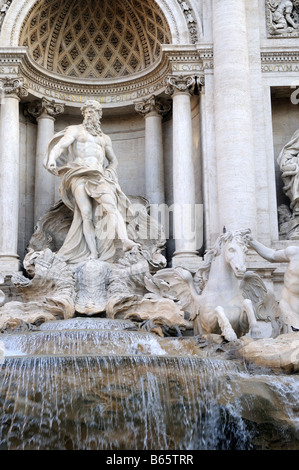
98,384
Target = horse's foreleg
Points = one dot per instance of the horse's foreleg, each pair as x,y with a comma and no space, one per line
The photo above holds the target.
255,332
225,326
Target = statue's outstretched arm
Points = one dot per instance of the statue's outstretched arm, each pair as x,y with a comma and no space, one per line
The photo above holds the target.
274,256
65,142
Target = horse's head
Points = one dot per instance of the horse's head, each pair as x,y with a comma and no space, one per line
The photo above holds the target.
235,249
230,245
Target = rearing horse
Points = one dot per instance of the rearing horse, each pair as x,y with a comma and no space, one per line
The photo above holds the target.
229,300
222,306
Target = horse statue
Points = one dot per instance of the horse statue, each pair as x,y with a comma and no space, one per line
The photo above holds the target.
222,297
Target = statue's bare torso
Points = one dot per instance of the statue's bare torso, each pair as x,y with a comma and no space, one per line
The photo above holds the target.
289,300
87,149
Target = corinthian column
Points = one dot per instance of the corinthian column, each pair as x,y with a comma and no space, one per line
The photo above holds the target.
233,117
180,88
44,111
13,91
153,110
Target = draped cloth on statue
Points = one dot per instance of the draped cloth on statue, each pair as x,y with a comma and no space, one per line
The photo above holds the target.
96,184
288,162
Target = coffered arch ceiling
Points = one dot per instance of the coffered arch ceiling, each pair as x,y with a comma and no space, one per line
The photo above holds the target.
95,38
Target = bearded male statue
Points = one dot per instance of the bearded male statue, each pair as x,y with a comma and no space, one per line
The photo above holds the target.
89,187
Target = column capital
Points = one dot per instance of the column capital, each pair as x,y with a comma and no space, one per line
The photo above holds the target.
44,108
153,105
14,87
180,84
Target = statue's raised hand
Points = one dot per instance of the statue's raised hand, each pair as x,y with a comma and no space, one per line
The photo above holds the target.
248,238
51,166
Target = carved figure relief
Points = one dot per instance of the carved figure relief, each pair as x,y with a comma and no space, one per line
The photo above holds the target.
191,22
283,17
4,6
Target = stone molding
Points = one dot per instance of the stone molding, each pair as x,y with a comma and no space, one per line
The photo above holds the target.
111,93
190,60
280,61
280,56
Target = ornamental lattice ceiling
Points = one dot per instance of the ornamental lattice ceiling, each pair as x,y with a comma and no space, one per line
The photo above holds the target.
95,38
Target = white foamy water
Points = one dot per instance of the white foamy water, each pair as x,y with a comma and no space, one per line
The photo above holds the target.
90,383
111,402
86,323
79,342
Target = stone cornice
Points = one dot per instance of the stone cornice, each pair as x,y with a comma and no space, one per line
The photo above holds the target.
110,92
283,60
281,55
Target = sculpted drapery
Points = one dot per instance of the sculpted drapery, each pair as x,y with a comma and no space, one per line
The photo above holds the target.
288,161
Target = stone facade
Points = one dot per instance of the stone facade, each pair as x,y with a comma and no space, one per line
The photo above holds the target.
198,96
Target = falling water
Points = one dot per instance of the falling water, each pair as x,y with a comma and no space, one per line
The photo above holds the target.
83,385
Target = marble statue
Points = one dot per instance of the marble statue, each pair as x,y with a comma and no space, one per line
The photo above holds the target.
288,161
289,300
222,305
288,224
49,296
89,188
91,251
281,16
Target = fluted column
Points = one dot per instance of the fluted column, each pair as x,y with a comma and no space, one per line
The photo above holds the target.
13,91
153,110
233,117
44,111
180,88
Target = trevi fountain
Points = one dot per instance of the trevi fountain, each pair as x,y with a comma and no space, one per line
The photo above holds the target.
124,324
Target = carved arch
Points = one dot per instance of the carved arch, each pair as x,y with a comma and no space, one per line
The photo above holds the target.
172,10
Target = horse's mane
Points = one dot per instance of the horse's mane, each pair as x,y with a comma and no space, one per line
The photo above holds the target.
202,274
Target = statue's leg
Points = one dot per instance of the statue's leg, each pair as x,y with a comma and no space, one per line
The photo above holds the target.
116,221
225,326
85,206
254,329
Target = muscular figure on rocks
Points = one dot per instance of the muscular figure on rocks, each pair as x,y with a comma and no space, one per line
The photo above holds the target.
289,301
89,188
